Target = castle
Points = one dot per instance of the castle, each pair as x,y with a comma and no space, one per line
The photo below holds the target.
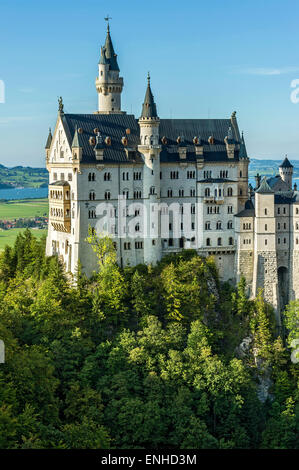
185,180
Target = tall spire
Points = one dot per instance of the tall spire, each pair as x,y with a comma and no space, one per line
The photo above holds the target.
109,52
49,139
243,151
149,109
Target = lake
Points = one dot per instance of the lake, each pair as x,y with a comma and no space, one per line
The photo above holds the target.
23,193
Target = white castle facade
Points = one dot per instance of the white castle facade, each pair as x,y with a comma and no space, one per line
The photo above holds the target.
185,180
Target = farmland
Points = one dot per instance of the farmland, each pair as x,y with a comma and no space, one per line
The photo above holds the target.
7,237
24,208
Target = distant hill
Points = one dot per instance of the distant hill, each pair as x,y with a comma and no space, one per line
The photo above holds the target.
270,167
26,177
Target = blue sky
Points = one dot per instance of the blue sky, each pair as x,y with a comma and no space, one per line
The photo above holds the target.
206,59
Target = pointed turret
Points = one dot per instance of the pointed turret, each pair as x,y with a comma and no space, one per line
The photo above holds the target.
149,109
77,145
109,52
77,140
243,152
109,84
286,172
49,140
286,163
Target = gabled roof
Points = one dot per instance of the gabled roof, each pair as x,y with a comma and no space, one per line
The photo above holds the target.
149,109
264,187
277,184
286,164
115,126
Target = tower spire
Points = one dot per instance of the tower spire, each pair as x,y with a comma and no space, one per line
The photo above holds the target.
109,84
149,109
243,151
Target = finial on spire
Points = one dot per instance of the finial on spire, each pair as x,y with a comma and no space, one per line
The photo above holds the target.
148,78
149,109
107,18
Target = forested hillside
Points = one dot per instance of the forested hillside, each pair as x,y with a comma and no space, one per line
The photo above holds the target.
20,176
139,358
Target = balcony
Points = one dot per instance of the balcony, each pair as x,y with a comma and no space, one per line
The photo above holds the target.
60,206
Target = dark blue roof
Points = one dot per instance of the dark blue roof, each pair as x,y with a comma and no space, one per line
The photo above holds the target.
286,164
116,125
110,55
149,109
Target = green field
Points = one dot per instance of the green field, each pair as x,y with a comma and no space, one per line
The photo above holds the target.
7,237
24,208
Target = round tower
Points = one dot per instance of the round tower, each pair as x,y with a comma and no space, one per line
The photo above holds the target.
150,149
286,172
109,84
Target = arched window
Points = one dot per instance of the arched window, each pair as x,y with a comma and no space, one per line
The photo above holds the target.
218,225
92,196
229,191
219,241
208,242
207,192
107,195
230,241
229,224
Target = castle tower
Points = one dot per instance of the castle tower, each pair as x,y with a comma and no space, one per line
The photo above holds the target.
149,147
286,172
265,256
109,84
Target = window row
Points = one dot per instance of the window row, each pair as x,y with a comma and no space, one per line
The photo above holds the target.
62,175
181,193
219,241
216,209
229,225
138,245
55,212
218,192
